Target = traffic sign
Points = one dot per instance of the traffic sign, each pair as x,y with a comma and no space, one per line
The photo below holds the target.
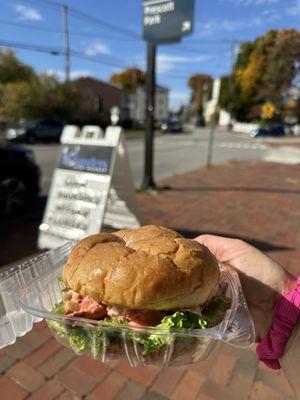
167,20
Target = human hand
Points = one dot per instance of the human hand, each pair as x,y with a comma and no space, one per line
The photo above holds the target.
262,279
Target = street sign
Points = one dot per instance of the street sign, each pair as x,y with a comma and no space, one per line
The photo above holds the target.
167,21
91,187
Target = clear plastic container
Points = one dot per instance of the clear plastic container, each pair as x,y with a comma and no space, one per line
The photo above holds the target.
35,289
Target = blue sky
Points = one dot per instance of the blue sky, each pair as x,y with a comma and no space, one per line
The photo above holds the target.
206,50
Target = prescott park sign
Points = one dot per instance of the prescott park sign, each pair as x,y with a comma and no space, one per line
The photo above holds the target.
166,21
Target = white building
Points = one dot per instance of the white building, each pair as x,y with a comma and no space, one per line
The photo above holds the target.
135,104
211,106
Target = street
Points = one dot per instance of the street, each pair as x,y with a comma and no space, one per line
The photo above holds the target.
174,153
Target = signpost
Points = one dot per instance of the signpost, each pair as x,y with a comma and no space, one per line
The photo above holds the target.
165,21
91,187
213,122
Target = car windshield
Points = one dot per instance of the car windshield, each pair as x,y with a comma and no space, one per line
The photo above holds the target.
28,124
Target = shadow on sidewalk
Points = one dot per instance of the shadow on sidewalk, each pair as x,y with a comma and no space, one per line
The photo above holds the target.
233,189
18,236
259,244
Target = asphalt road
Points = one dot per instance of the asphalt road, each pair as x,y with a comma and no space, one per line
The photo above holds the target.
174,153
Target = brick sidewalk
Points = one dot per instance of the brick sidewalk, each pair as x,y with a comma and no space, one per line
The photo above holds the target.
258,202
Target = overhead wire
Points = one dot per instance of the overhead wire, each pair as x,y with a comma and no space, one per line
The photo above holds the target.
59,51
53,30
182,49
95,20
74,53
125,34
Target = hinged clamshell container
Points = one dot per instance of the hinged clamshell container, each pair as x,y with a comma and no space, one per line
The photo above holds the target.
30,292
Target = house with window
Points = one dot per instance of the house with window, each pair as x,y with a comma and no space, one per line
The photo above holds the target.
134,104
98,98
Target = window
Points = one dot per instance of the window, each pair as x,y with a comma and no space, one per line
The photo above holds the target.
99,104
88,92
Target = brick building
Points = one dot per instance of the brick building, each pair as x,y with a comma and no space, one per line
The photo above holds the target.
98,97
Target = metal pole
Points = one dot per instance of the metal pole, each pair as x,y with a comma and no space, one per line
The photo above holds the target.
231,79
204,100
148,182
211,139
66,41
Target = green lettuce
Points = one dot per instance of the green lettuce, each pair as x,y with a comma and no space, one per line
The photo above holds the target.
211,316
58,327
153,342
183,320
97,342
98,335
78,339
178,320
82,340
117,321
77,336
59,308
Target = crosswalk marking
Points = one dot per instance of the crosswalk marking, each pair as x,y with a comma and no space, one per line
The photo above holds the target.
202,143
234,145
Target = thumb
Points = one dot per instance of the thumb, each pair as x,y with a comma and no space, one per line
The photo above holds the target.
218,245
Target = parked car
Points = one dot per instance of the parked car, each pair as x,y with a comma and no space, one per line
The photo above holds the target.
19,180
269,130
36,130
172,126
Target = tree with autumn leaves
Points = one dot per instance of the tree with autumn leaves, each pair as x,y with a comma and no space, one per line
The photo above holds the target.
264,72
26,95
201,85
129,79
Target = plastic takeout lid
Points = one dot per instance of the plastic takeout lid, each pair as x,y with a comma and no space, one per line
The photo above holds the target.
29,291
14,321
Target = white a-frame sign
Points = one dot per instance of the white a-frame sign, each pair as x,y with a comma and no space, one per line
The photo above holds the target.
91,187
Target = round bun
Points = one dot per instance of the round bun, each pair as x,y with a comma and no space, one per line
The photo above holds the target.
147,268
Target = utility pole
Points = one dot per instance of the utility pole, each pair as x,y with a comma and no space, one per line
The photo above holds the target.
134,83
212,132
148,182
66,41
204,100
231,78
213,121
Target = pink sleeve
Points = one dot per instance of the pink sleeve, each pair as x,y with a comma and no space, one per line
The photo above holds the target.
285,316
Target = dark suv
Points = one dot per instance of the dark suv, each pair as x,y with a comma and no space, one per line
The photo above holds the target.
172,126
42,130
19,180
276,130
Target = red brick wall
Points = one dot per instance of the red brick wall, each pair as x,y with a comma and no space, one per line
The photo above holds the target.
91,89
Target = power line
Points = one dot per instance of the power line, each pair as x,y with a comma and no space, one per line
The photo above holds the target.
92,35
125,32
81,15
34,47
59,51
46,3
114,61
74,53
180,48
53,30
87,34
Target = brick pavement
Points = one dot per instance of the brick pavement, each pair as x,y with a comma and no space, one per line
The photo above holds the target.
258,202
